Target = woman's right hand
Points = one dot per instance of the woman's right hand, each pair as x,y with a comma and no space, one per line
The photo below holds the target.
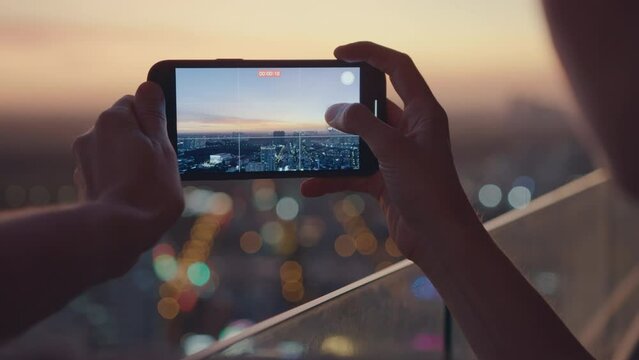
417,184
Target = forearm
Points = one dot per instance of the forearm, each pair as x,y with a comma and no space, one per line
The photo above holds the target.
50,255
499,312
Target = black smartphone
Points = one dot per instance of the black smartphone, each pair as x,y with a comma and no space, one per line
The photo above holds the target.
246,119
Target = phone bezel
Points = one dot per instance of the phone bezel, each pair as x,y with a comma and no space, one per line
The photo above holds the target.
372,87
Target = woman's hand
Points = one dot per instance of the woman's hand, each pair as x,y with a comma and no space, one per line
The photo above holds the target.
417,184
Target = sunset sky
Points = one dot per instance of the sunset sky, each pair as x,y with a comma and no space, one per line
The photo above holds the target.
79,56
229,100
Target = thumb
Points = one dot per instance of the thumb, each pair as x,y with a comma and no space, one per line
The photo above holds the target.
358,119
150,110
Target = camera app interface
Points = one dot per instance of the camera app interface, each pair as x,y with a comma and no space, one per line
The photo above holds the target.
253,119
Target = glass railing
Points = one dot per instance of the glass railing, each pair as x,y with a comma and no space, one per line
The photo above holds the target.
578,245
394,313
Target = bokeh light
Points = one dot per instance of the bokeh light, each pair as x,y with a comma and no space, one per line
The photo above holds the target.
525,181
338,345
193,343
163,249
197,201
221,204
353,205
423,289
546,282
168,308
391,248
345,245
428,342
264,195
290,271
293,291
165,267
490,195
169,289
366,243
290,350
66,194
187,300
287,208
234,328
311,231
198,273
519,197
272,233
39,195
15,196
250,242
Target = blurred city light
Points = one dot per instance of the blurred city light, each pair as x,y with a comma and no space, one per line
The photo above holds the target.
250,242
234,328
525,181
290,350
311,230
192,343
221,204
366,243
272,233
291,271
519,197
546,282
165,267
163,249
287,208
39,195
198,273
428,342
353,205
15,196
66,194
490,195
423,289
264,195
345,245
338,345
391,248
168,308
187,300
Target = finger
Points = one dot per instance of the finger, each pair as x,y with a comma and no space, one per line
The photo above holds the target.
150,109
358,119
125,102
403,73
316,187
394,113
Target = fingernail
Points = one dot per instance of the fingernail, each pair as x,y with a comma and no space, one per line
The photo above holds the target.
333,111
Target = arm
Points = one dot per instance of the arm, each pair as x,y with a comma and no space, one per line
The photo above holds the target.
433,223
127,171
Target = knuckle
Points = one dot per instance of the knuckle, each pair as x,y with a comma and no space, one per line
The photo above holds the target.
404,59
113,117
80,143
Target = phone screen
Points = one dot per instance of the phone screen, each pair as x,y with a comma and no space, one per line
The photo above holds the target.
249,120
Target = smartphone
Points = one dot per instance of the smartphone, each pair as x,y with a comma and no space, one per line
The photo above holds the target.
246,119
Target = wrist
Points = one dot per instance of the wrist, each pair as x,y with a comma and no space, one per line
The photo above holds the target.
115,237
448,238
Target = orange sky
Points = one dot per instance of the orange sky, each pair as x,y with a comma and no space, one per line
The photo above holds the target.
79,56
